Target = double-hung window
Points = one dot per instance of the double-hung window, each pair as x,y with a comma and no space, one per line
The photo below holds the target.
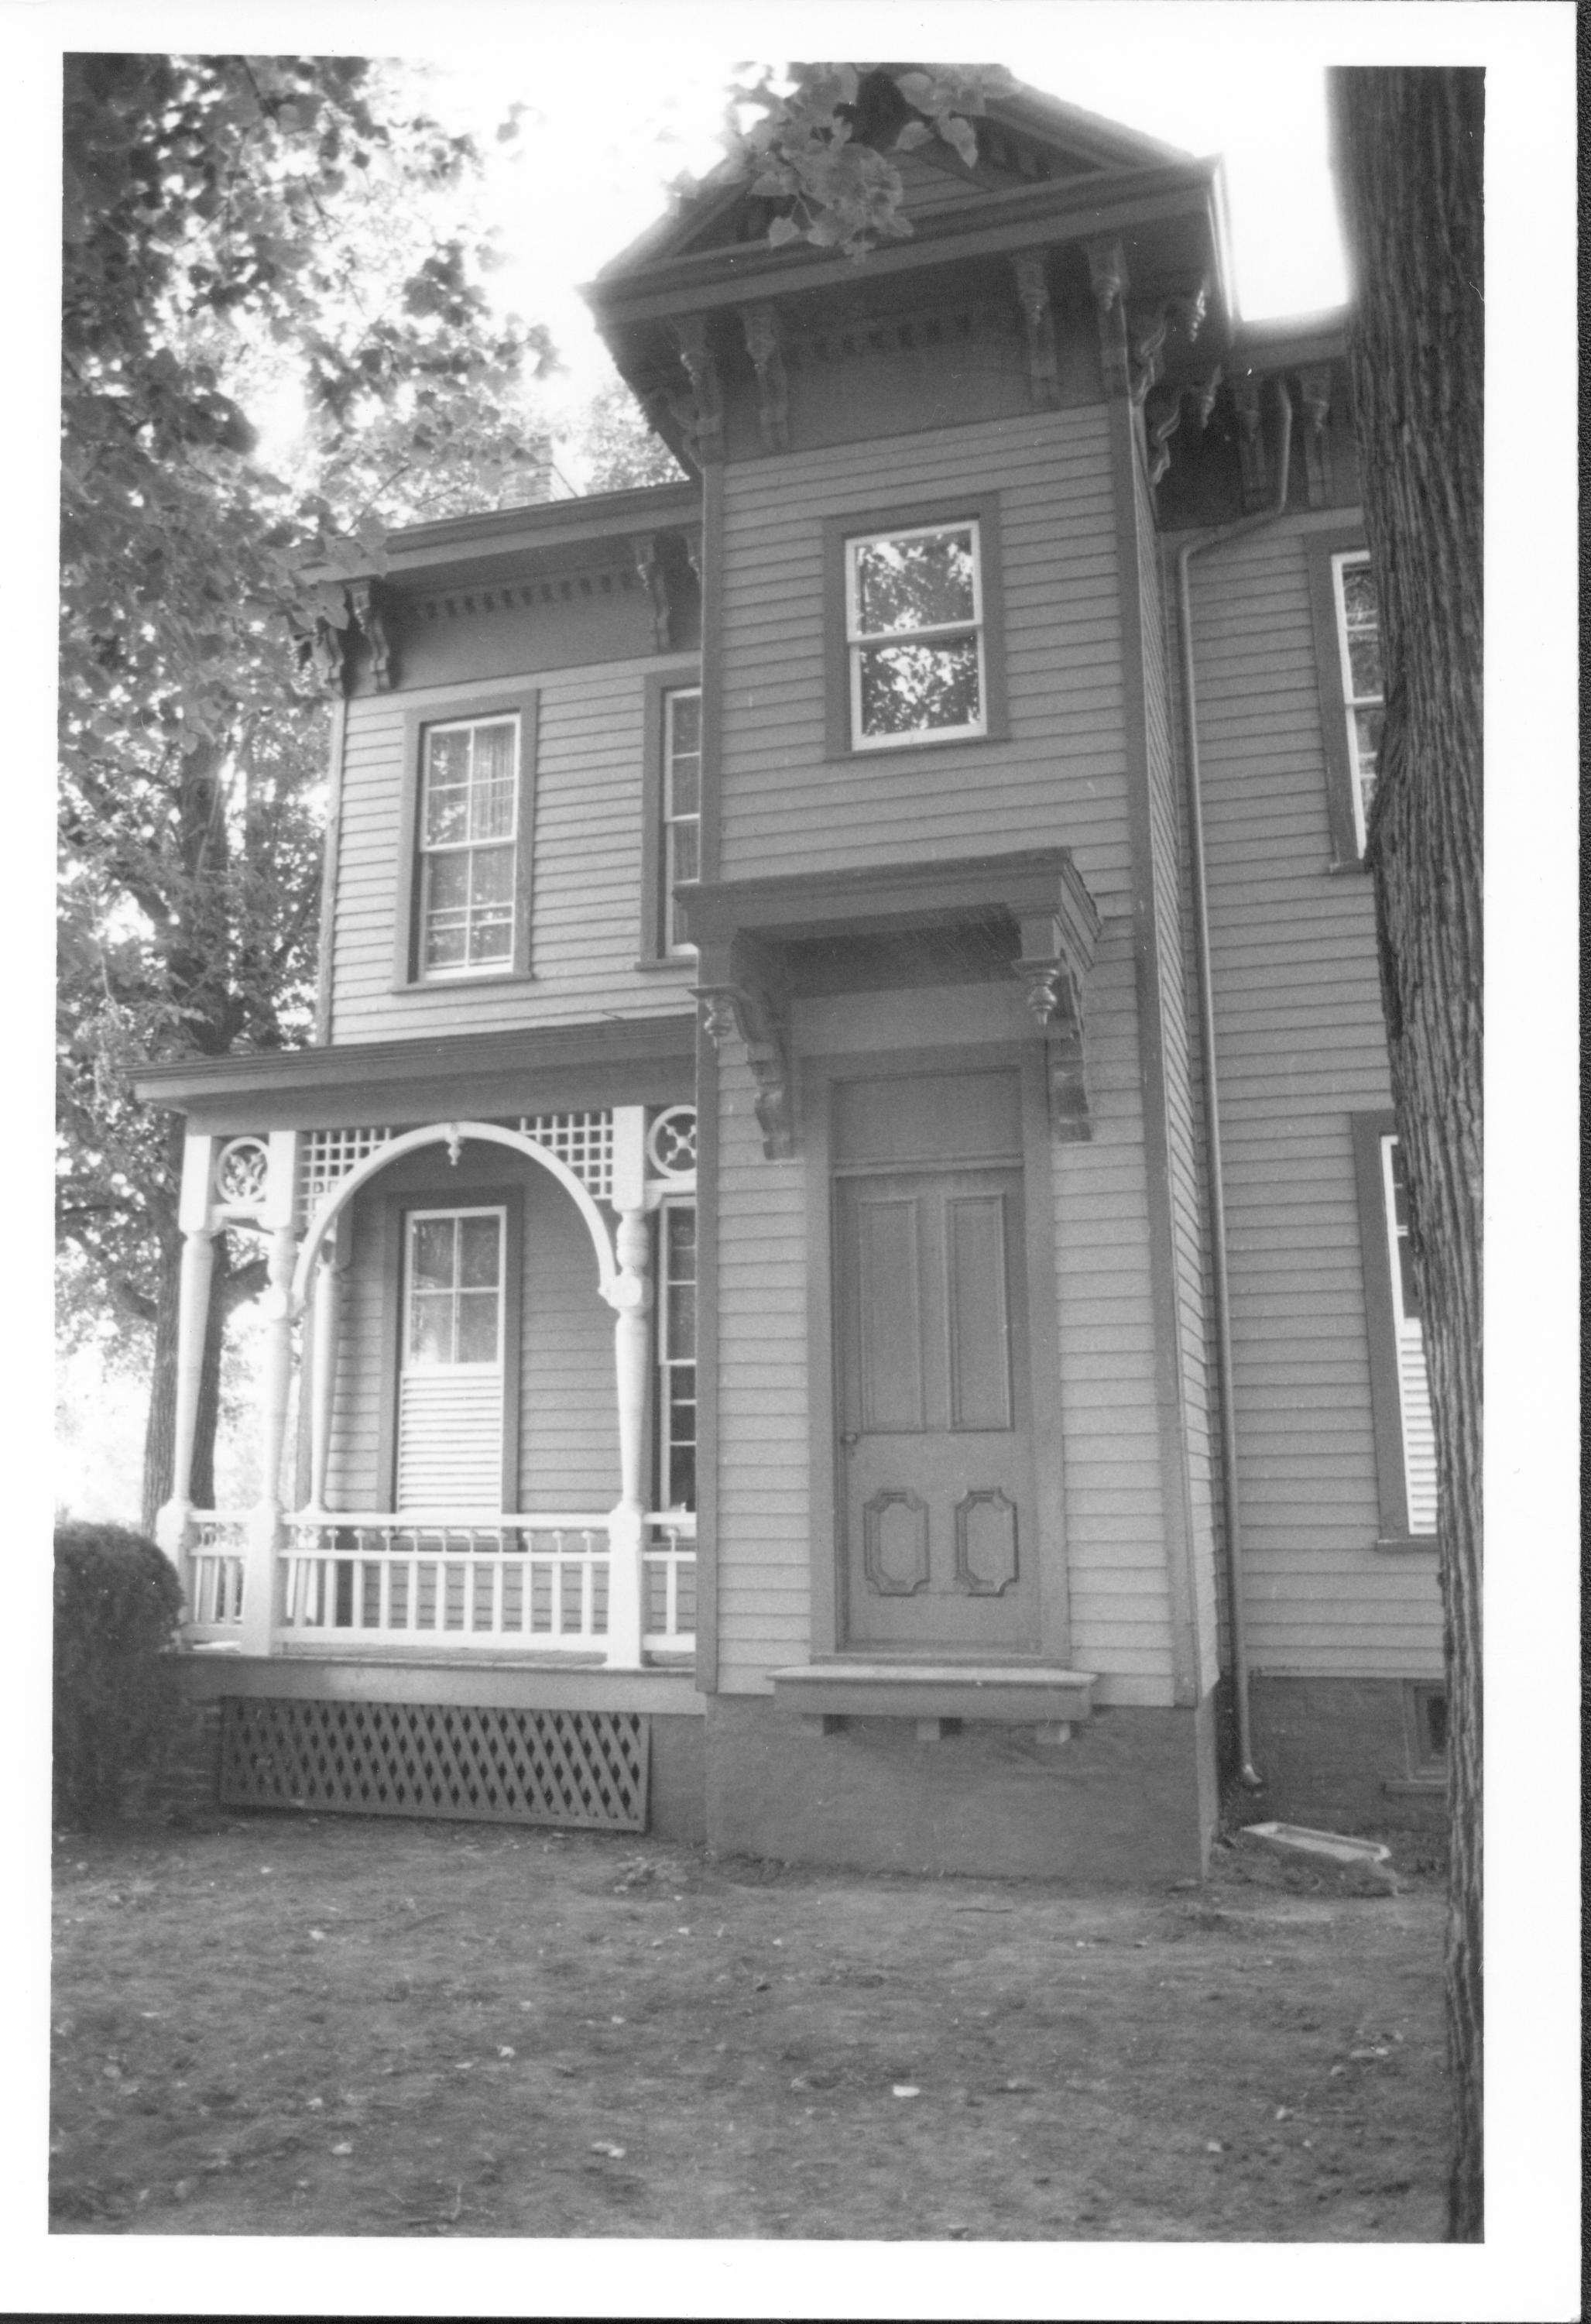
1405,1439
464,910
469,817
1358,641
915,626
1348,668
681,805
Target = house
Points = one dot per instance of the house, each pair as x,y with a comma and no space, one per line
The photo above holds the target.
839,1274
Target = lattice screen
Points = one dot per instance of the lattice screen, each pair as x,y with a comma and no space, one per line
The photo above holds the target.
586,1767
582,1140
325,1155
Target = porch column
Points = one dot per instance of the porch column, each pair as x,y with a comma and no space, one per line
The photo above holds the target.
260,1578
174,1523
630,1296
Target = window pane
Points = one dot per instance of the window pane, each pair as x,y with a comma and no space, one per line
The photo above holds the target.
446,943
919,688
477,1252
916,584
431,1327
1359,596
682,1482
446,814
1368,727
491,939
684,787
450,887
477,1327
1365,661
491,805
685,854
681,1243
431,1263
685,723
492,875
682,1320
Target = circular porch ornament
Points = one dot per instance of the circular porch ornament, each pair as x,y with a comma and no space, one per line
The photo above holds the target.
240,1172
671,1142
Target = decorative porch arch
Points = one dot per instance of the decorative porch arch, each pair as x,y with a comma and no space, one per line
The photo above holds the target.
451,1134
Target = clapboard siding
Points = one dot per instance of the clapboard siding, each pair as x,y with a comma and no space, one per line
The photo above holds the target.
1061,775
586,862
1301,1046
354,1481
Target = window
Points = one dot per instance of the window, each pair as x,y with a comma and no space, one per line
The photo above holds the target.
1425,1712
916,654
676,1357
453,1308
672,808
1405,1441
466,910
681,804
1348,671
1359,638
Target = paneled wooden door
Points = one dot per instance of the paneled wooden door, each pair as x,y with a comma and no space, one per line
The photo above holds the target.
934,1413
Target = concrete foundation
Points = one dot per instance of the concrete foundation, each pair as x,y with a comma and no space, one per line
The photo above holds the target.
1129,1798
1340,1753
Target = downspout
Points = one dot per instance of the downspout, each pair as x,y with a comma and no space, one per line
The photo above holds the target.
1221,1283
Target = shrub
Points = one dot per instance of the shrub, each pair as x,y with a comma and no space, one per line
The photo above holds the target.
116,1701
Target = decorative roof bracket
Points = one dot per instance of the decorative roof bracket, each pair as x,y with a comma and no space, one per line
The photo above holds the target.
1033,292
1315,392
1252,464
761,326
690,337
1057,952
1108,276
742,992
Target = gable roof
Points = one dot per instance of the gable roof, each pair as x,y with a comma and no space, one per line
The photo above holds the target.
1025,139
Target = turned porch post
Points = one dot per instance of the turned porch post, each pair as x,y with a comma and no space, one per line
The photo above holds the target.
174,1523
260,1580
630,1294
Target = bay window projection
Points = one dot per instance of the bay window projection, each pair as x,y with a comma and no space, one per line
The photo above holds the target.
1358,641
469,839
914,635
451,1390
681,805
676,1357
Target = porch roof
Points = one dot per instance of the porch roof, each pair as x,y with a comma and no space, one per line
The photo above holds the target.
439,1076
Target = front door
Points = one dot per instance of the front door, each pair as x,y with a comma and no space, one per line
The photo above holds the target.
934,1412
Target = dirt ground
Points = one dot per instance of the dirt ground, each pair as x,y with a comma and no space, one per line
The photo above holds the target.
340,2026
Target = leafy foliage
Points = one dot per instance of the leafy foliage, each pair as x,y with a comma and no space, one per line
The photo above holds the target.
820,144
116,1605
616,447
238,231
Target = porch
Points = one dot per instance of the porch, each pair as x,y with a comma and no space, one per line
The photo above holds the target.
451,1574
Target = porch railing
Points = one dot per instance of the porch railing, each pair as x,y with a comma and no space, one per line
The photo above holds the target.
438,1581
215,1557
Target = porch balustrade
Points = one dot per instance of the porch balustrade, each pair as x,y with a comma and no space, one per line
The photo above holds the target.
417,1581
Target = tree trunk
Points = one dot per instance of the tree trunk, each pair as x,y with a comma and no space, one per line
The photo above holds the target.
1409,145
159,1427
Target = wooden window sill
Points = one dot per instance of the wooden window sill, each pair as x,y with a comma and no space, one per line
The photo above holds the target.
465,983
1400,1545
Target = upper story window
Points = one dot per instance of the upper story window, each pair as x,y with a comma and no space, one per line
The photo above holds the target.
681,805
916,647
464,901
1348,673
914,624
1358,641
468,833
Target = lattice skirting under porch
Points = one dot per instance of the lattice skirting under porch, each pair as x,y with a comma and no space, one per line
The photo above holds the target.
438,1759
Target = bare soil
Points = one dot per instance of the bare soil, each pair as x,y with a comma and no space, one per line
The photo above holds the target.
339,2026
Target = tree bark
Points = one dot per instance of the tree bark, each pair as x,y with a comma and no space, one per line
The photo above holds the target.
229,1285
1408,150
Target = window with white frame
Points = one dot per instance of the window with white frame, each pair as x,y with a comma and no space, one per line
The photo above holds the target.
676,1357
914,635
468,846
452,1304
1419,1437
681,805
1358,643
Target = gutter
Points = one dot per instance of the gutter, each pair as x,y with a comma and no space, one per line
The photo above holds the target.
1222,1280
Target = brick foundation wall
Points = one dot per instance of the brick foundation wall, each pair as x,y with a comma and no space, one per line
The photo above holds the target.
1334,1752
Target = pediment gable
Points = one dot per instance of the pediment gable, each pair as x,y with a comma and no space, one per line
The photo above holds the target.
1024,140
